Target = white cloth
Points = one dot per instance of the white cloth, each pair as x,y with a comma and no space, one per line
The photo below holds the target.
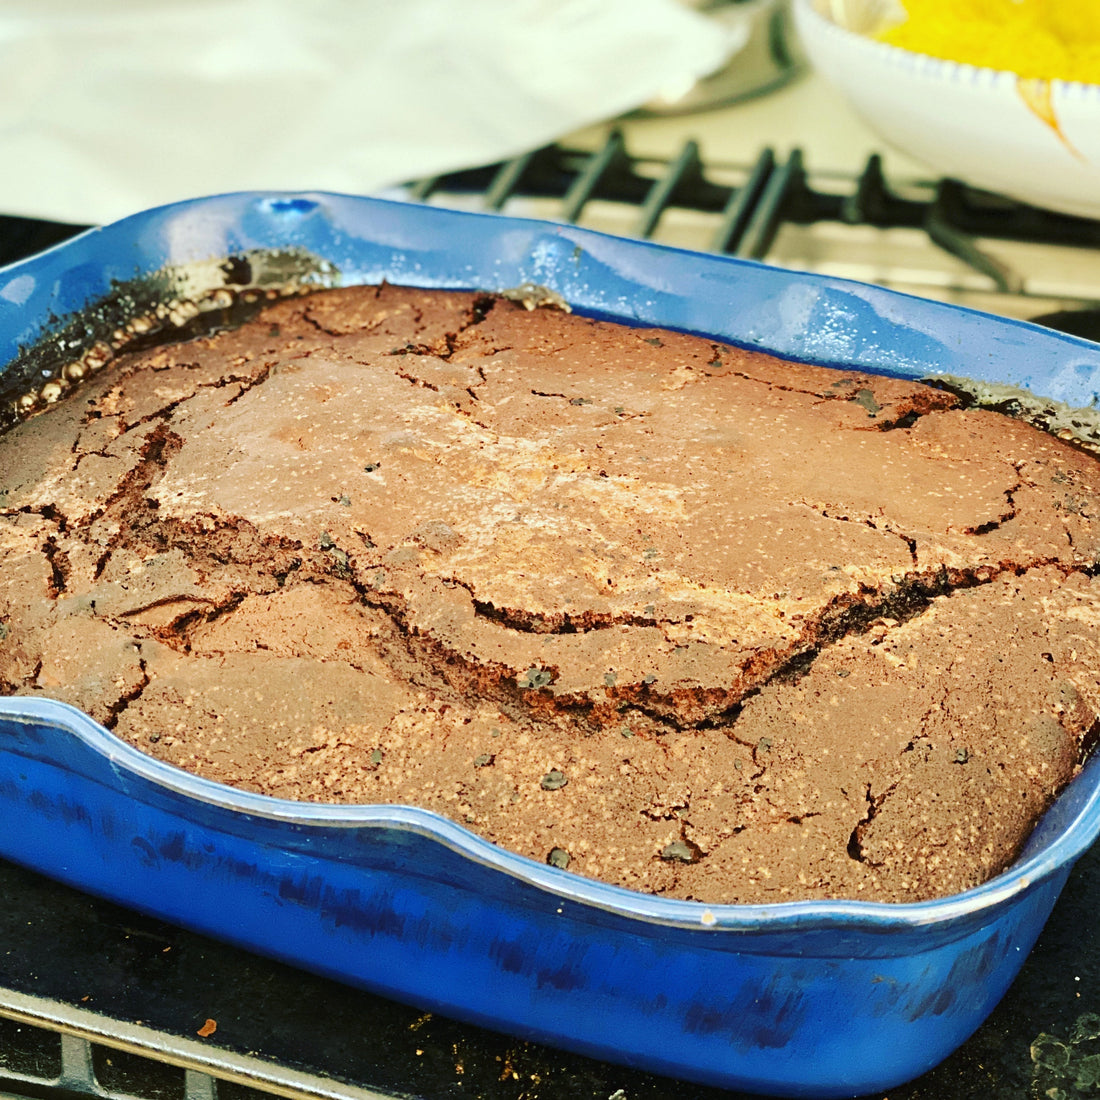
114,106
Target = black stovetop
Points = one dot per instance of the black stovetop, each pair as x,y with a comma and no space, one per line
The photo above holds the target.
58,944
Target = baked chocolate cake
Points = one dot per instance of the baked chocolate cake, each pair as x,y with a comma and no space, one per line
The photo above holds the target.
665,612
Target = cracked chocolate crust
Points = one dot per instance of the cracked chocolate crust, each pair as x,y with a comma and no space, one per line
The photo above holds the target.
782,632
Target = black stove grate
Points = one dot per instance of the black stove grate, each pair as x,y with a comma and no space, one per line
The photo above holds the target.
751,211
746,212
774,191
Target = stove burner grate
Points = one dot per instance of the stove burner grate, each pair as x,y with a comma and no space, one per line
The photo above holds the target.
747,209
939,239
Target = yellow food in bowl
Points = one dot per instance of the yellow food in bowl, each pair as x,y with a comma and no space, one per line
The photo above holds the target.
1038,39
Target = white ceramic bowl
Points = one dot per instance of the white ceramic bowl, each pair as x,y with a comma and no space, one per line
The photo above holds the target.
1036,141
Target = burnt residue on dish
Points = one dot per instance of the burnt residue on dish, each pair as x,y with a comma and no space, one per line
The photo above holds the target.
177,302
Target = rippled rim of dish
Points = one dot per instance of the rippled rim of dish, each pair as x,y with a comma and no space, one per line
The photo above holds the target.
851,915
927,65
113,235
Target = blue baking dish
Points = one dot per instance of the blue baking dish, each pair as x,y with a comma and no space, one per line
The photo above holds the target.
813,999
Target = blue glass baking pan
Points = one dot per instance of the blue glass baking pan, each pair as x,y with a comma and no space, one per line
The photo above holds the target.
814,999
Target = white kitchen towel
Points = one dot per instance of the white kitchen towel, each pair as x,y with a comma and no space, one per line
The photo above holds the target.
114,106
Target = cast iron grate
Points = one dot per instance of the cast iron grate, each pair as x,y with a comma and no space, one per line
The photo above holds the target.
774,191
747,214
